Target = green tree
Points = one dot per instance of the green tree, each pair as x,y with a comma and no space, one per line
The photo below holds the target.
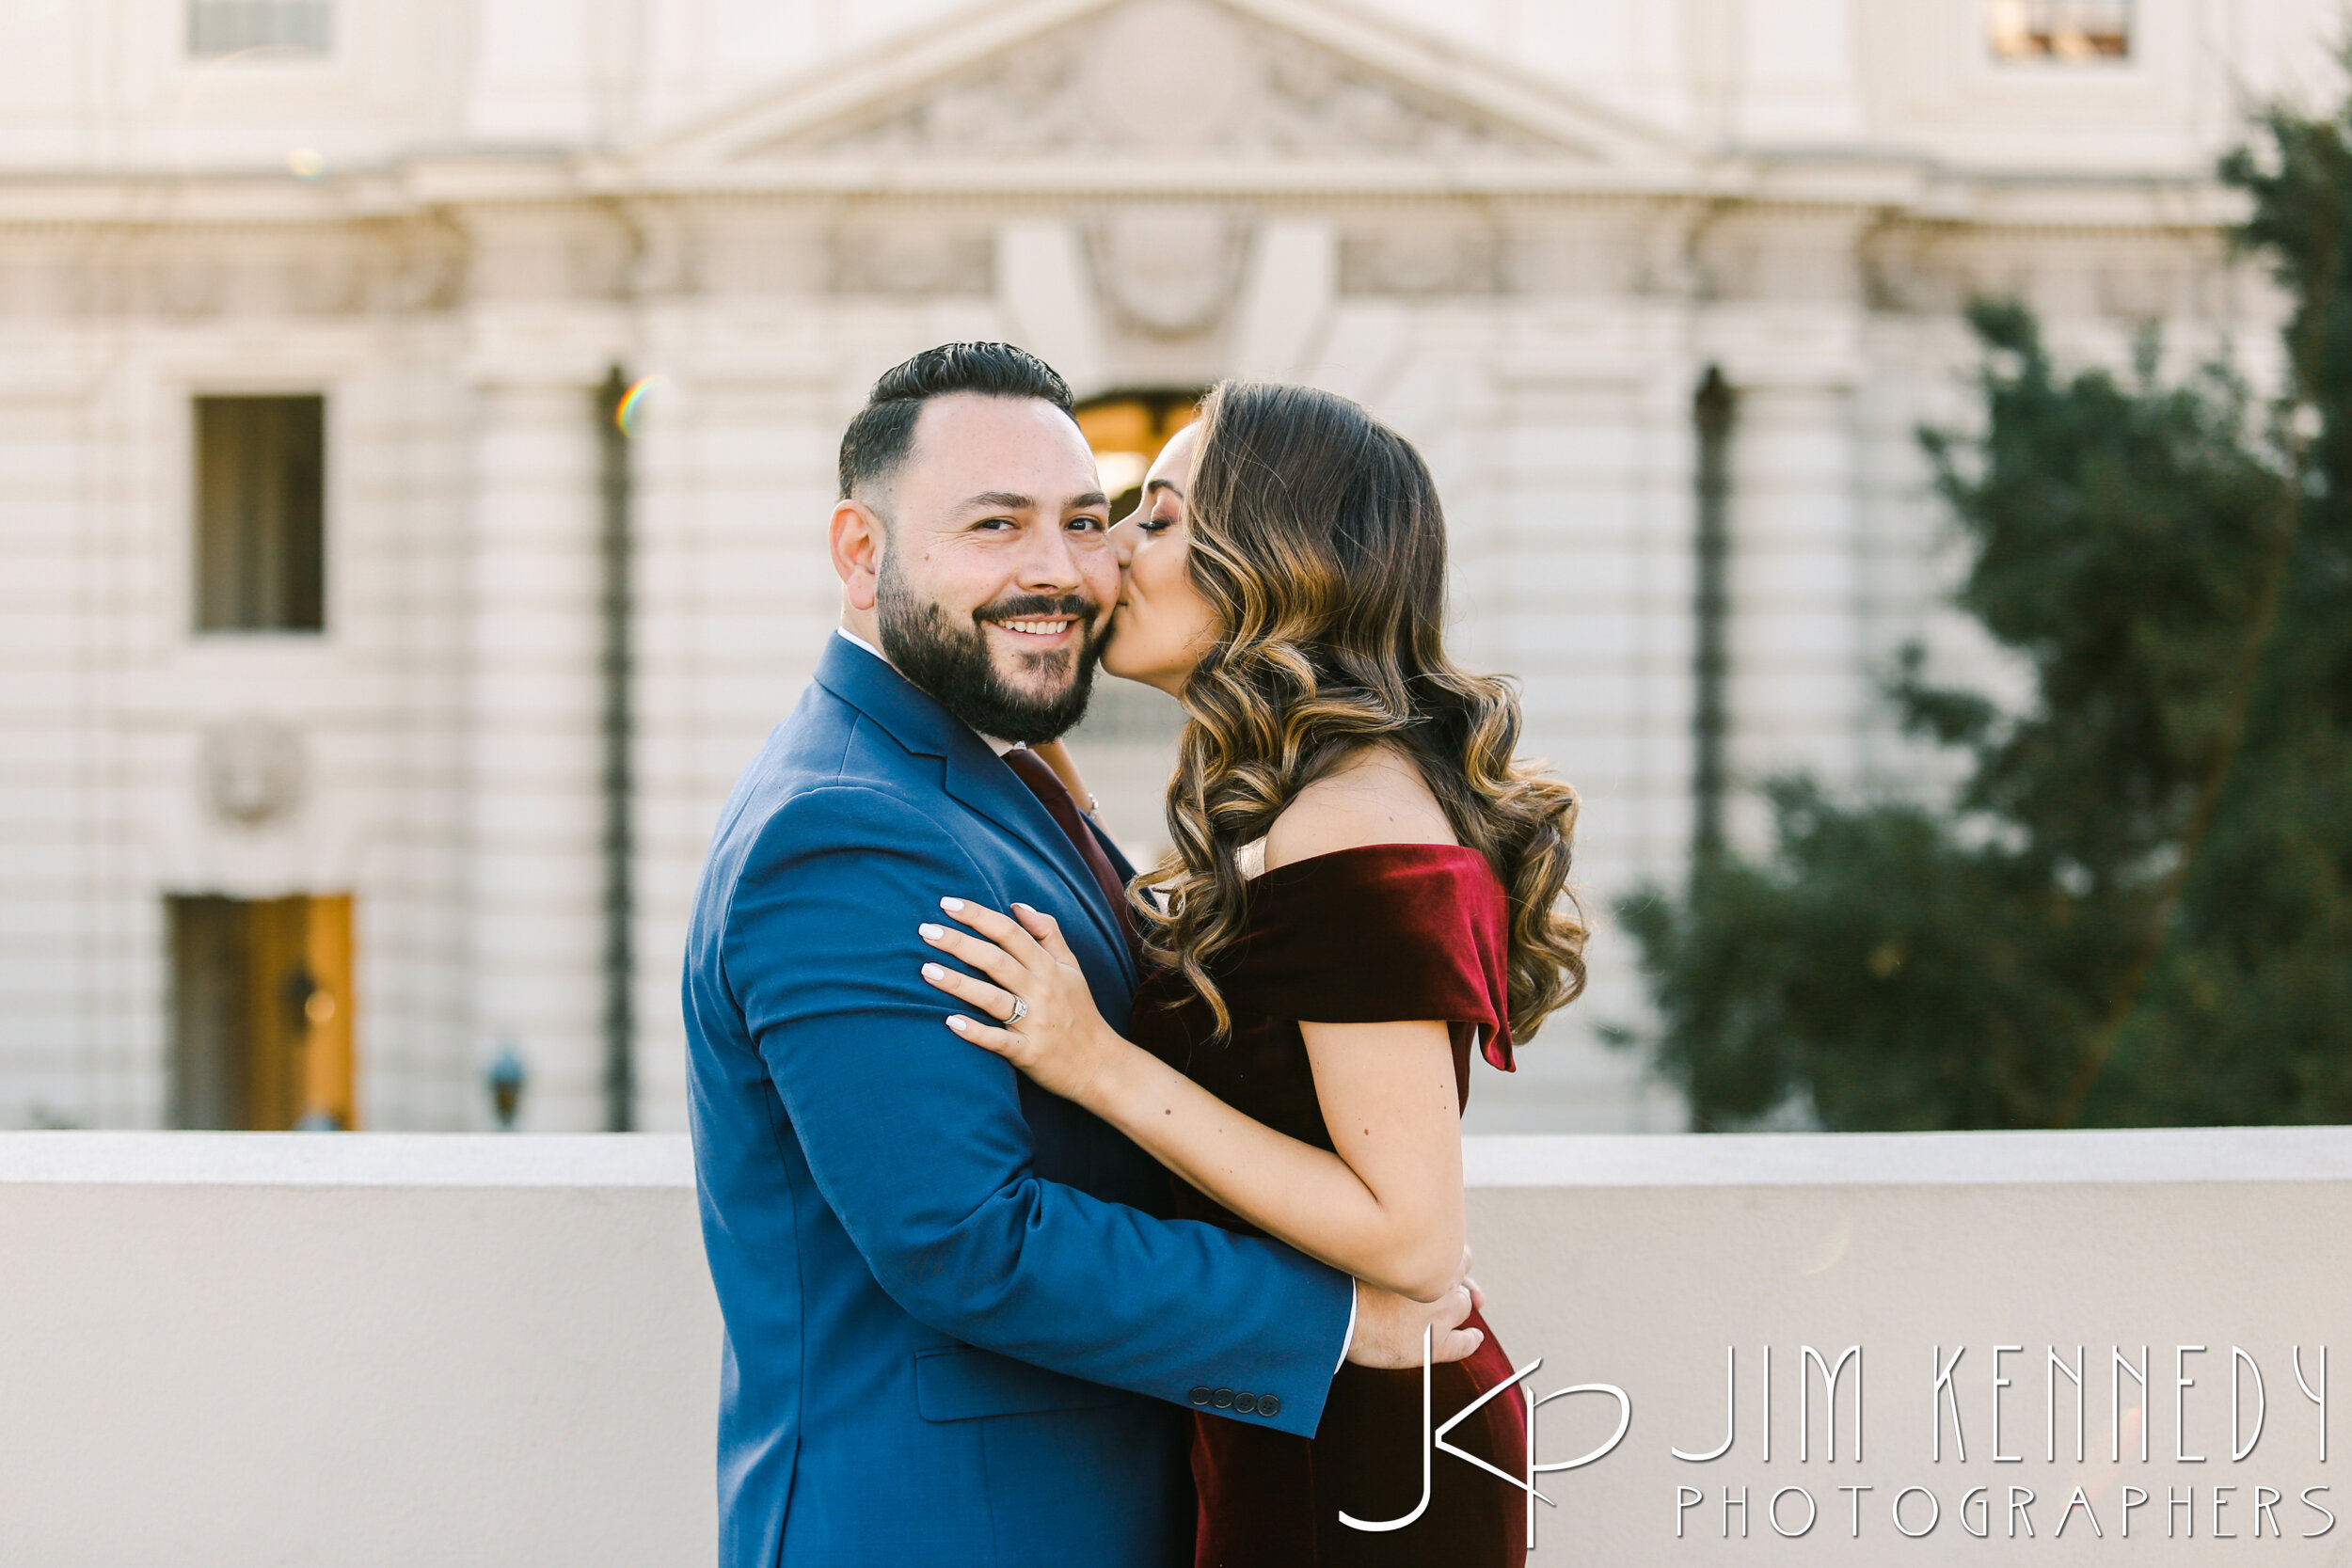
2139,907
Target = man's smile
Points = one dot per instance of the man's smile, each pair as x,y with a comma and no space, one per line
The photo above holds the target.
1052,628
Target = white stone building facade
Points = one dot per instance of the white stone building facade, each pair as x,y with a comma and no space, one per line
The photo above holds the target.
1520,230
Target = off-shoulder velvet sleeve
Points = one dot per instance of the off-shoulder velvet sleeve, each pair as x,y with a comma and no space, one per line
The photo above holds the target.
1376,933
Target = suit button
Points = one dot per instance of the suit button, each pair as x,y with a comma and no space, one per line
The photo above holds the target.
1222,1399
1199,1394
1246,1403
1269,1405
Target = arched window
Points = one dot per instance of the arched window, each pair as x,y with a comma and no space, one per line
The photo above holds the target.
1128,429
2063,30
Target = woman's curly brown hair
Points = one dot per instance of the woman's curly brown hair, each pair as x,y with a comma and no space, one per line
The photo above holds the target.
1319,544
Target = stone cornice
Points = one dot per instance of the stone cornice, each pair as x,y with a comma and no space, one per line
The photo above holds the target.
1892,188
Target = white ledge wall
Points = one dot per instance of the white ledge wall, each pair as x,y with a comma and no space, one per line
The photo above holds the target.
247,1349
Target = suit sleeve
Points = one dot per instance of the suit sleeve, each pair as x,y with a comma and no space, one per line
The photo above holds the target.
917,1141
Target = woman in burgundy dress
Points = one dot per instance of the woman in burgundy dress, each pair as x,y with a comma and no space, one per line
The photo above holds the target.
1365,893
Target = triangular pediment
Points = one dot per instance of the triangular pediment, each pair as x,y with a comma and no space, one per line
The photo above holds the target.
1238,84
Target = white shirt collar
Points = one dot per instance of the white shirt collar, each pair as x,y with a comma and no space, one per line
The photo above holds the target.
999,747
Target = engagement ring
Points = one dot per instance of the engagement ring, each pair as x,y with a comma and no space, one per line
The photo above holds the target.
1020,1011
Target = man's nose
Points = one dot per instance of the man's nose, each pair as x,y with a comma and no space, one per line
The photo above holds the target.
1050,564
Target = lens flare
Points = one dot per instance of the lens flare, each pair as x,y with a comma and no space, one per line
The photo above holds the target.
629,413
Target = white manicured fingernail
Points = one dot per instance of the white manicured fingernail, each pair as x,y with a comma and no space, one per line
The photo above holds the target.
958,1023
932,971
951,903
933,932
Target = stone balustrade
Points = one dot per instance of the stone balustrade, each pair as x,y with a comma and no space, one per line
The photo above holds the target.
242,1349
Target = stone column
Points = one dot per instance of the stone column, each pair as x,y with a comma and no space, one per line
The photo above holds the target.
1044,291
1787,330
734,465
1798,686
1581,569
535,810
52,833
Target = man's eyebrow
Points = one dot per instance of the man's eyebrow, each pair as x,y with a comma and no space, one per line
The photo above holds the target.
1008,501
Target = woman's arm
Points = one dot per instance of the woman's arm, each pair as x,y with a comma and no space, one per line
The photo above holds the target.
1388,1206
1390,1212
1387,1209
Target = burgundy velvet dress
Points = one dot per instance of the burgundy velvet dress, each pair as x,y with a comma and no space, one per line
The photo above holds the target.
1375,934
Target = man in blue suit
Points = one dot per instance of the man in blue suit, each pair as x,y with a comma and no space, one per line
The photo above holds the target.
959,1329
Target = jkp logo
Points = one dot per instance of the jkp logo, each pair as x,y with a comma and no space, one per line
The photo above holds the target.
1433,1442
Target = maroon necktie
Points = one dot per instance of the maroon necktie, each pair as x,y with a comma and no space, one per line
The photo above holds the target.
1054,795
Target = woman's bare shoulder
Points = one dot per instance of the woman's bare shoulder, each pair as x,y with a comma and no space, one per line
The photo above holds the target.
1378,795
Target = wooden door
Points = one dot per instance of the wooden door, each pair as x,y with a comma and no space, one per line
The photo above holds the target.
324,1087
264,1013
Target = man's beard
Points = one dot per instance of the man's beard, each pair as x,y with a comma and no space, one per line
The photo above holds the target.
952,664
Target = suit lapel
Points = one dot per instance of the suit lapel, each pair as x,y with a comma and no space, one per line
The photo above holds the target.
980,780
971,773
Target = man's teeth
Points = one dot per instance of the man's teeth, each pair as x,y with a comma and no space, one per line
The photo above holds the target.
1036,629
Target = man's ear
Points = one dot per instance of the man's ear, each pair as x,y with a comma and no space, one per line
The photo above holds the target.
855,537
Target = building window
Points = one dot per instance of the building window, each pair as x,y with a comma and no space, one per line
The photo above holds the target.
2060,29
230,26
1127,430
260,513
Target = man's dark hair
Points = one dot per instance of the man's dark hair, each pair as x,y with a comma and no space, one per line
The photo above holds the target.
877,440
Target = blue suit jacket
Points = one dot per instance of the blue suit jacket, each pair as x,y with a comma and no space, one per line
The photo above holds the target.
955,1330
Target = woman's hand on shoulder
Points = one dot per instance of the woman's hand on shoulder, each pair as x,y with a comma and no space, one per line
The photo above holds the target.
1058,1038
1378,795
